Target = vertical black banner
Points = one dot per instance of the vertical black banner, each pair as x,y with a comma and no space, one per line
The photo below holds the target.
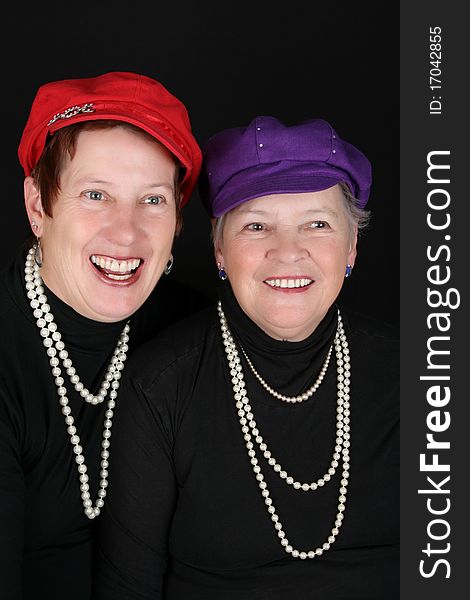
435,235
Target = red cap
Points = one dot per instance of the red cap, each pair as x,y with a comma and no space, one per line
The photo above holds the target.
120,96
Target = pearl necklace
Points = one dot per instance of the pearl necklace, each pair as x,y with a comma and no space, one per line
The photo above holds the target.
52,337
247,422
301,397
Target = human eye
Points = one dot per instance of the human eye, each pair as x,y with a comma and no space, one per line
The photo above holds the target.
319,225
154,200
94,195
255,227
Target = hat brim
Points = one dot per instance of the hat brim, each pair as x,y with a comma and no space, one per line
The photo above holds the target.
153,128
262,181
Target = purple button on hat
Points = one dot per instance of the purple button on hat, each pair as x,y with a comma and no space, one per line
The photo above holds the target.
268,157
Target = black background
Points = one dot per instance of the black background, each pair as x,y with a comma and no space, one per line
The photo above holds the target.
228,62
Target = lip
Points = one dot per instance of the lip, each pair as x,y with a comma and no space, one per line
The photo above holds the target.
100,272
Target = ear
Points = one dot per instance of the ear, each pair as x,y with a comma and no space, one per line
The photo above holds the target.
353,249
33,204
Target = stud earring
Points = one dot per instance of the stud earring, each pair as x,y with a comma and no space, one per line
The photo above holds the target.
348,270
34,225
169,265
222,273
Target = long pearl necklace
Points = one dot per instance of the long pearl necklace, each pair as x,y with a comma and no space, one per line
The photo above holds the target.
247,422
52,337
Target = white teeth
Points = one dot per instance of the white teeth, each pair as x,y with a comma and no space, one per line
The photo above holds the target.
289,283
117,269
118,277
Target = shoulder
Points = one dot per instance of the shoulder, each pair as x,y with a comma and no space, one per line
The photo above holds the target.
181,343
169,302
375,370
13,305
6,303
374,345
370,328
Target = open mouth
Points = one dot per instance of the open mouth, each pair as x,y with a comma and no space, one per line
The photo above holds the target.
289,283
114,269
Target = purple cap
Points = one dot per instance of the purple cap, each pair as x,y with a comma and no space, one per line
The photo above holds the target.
268,157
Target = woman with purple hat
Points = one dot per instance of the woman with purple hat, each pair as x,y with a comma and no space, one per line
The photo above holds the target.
109,161
257,446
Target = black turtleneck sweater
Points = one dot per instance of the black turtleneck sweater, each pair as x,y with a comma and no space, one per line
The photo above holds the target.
45,539
185,518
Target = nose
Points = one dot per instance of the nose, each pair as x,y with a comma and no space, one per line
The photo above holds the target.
287,247
123,225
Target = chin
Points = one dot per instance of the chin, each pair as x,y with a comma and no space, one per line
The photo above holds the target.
290,326
289,317
113,308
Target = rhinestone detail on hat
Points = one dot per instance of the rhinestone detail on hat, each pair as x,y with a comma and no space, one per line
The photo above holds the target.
70,112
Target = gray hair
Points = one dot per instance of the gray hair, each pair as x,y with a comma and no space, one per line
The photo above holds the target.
358,218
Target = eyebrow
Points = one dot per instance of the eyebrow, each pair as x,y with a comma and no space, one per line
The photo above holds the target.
309,211
156,184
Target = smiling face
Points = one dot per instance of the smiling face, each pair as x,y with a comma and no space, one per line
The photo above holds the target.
112,226
285,256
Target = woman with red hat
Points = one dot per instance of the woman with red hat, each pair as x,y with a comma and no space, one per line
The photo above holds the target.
109,163
257,442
